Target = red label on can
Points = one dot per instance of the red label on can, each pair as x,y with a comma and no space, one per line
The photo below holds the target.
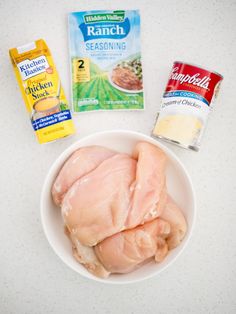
193,79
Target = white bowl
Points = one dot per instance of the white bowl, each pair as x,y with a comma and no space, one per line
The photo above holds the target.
179,186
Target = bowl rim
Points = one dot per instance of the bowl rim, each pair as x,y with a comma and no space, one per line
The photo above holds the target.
153,141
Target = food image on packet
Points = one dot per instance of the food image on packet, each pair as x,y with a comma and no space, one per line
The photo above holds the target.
106,68
42,92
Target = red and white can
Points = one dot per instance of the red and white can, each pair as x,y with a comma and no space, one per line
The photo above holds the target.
186,104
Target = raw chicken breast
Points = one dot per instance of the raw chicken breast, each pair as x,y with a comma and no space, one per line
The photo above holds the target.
81,162
125,251
116,208
117,195
149,185
86,256
173,214
97,205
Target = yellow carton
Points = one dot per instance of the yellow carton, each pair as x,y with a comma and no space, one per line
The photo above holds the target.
42,91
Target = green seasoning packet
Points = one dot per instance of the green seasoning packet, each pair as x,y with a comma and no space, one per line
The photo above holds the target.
106,68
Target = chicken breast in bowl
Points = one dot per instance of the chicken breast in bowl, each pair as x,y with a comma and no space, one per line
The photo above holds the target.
116,208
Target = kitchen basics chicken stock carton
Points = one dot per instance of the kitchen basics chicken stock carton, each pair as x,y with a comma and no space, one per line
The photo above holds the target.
42,92
106,68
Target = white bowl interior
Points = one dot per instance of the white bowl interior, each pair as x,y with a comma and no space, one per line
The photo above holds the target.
179,187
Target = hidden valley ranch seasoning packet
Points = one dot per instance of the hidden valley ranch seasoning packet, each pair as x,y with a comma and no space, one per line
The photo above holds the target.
105,56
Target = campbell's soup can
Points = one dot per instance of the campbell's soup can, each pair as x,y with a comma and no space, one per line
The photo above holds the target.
186,104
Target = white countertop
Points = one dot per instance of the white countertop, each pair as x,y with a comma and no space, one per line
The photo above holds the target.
203,279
